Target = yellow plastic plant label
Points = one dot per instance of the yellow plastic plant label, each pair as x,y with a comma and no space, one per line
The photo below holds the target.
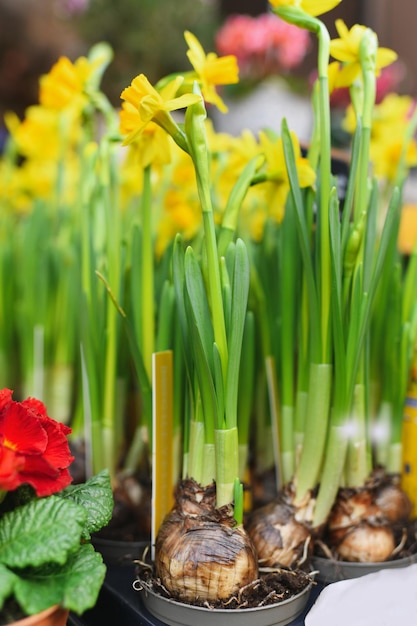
409,445
162,439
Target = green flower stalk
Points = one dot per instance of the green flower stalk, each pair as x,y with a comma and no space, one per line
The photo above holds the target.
319,392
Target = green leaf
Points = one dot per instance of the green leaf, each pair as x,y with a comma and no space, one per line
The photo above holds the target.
7,582
371,234
226,290
199,304
219,386
337,304
234,202
96,498
164,338
246,379
240,290
44,530
288,289
101,54
353,167
304,238
204,374
74,586
178,275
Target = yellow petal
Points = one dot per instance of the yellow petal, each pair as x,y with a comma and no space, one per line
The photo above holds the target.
341,28
306,174
318,7
347,74
312,7
340,50
182,102
384,57
195,54
169,91
222,70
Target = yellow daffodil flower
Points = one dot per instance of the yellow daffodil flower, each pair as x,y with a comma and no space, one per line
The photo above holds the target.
346,49
211,70
278,184
65,84
153,145
181,212
38,134
388,132
391,115
143,104
312,7
386,154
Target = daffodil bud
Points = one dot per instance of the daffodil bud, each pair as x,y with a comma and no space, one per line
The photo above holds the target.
353,245
367,51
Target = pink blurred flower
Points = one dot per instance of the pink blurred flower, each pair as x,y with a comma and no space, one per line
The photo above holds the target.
73,7
264,45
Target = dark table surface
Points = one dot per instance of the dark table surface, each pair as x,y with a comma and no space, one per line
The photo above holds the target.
120,605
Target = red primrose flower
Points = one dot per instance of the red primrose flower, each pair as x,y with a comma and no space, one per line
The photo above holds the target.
34,448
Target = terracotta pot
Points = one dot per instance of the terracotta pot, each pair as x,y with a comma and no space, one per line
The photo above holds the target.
54,616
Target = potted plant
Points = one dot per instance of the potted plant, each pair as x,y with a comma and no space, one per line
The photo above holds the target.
340,291
47,563
211,278
79,216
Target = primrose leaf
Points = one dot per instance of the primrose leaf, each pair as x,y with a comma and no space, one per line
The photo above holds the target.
74,586
7,581
96,498
42,531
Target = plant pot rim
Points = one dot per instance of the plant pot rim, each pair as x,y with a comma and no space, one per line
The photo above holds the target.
174,613
39,618
332,570
119,552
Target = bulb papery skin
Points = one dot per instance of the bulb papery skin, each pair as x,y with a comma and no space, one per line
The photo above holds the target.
279,539
203,557
394,503
364,522
366,544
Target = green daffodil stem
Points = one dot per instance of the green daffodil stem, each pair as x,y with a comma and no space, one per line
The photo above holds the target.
368,49
297,16
288,282
318,403
147,279
227,462
165,120
325,188
197,140
110,419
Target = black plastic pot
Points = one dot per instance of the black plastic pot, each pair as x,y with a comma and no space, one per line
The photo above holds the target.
116,552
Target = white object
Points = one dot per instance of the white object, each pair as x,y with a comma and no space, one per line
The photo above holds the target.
384,598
